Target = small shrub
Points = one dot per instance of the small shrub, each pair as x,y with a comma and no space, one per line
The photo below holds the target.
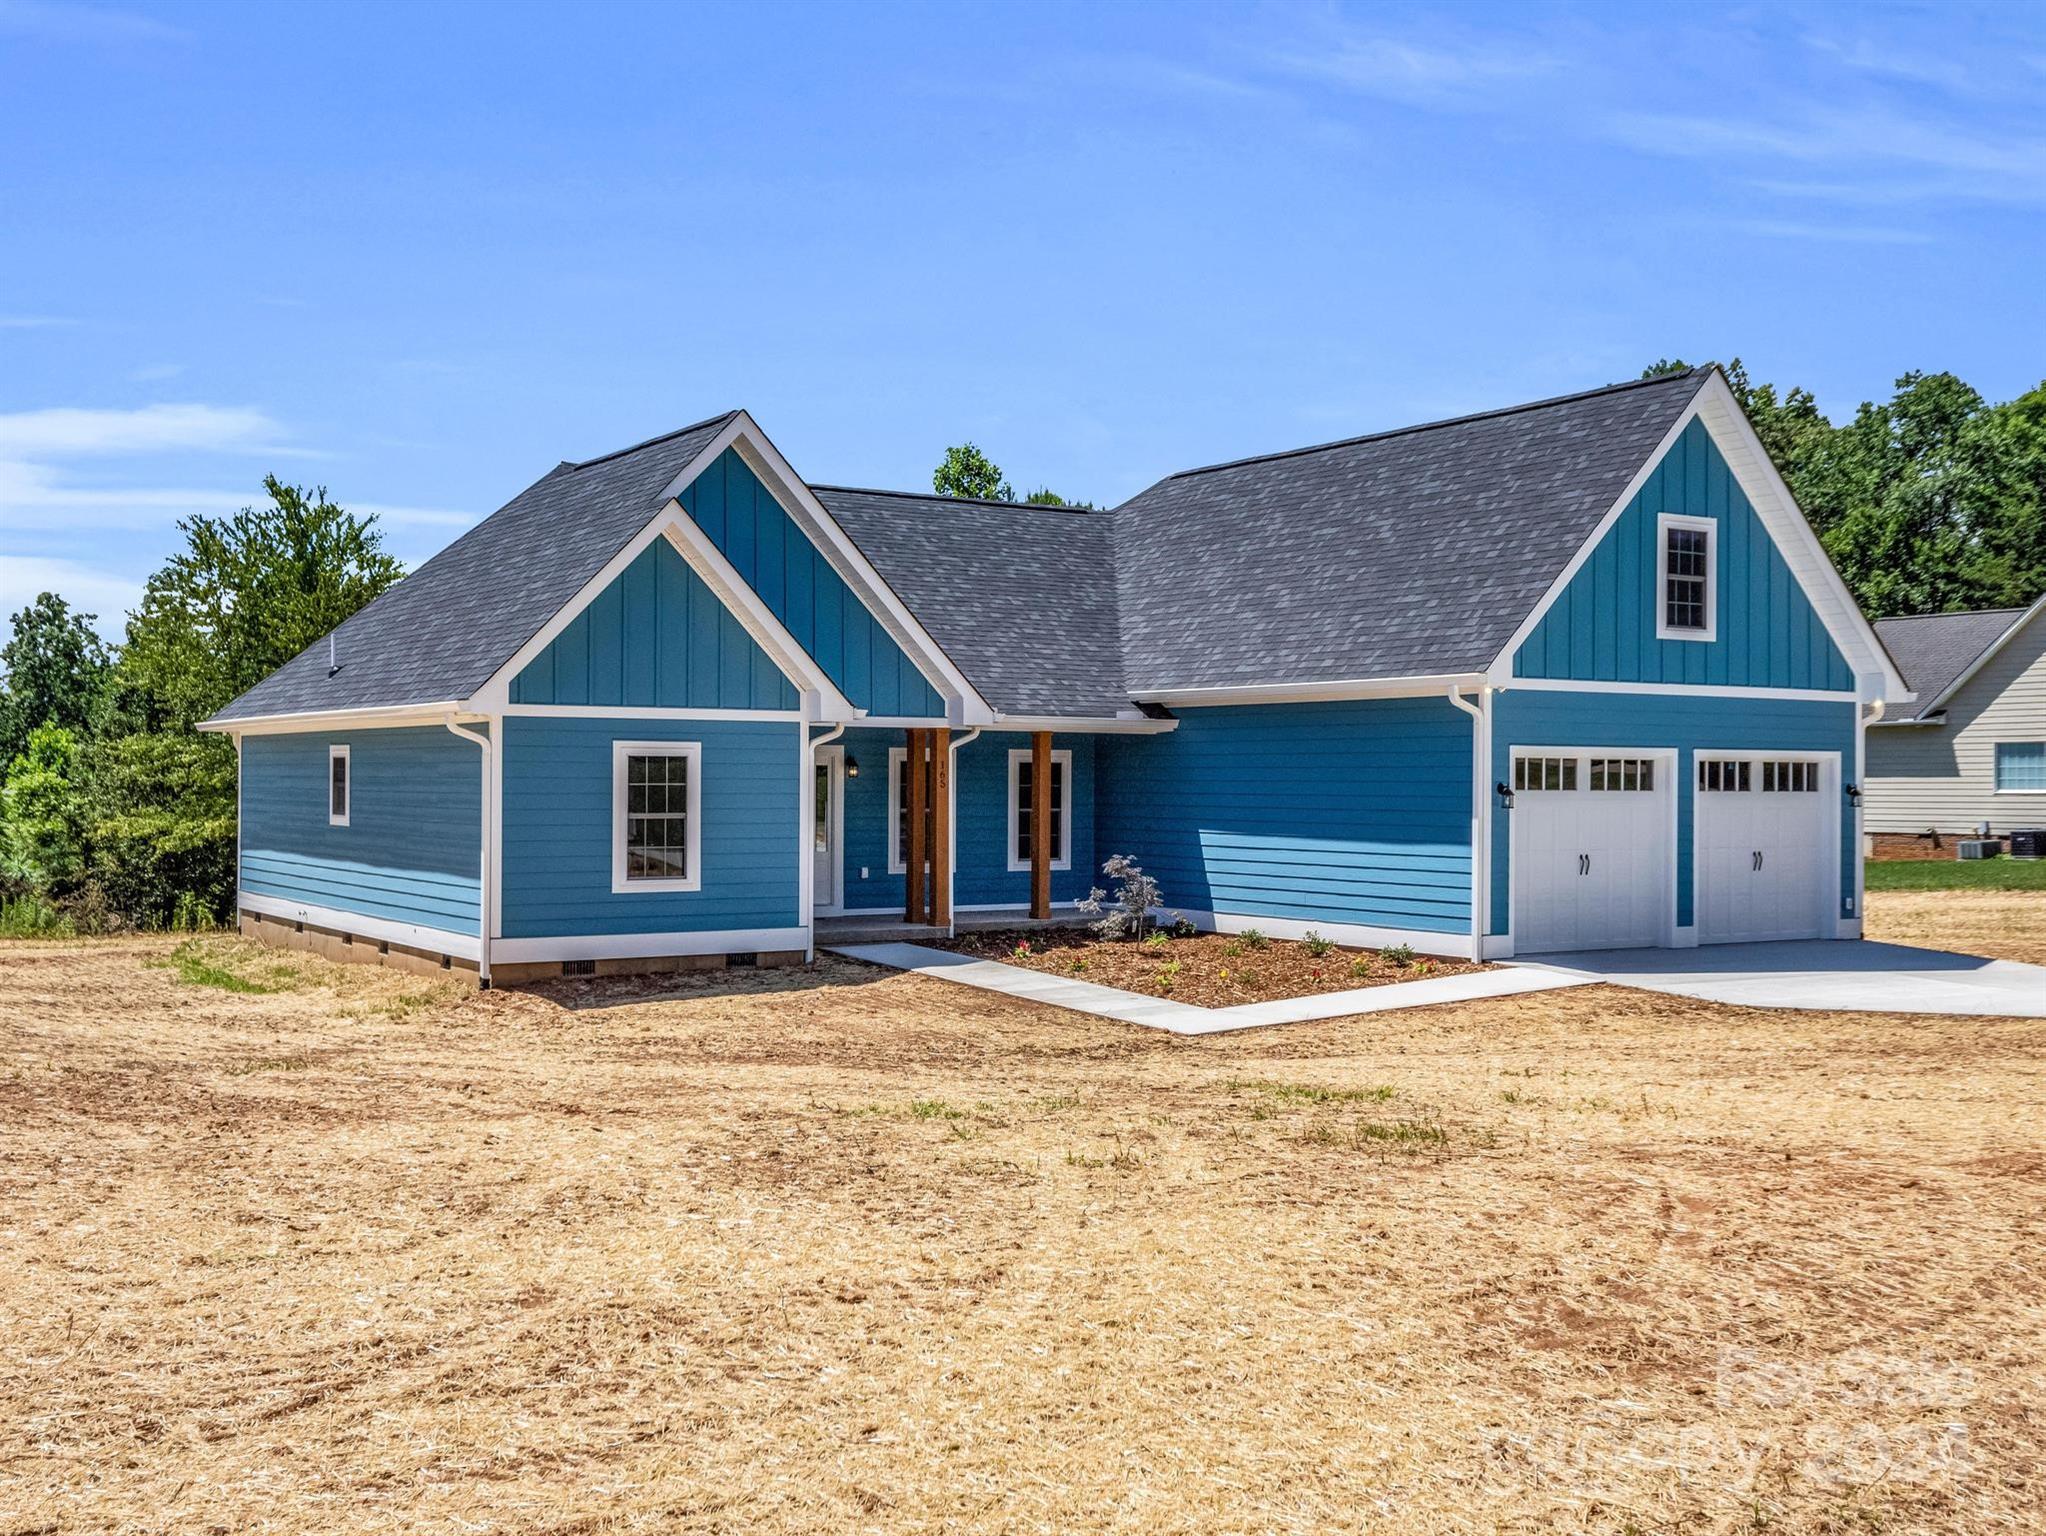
1316,945
1136,896
1361,966
1182,927
1021,949
1253,939
192,914
30,917
1398,954
1233,947
1156,940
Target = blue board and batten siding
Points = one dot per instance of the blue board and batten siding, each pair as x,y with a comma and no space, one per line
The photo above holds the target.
1356,812
792,577
412,847
557,837
1689,723
982,876
656,638
1602,625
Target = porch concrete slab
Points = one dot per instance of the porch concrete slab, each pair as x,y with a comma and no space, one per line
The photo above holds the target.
1187,1019
1835,976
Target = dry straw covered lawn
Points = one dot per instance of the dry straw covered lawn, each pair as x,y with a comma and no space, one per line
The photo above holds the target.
863,1252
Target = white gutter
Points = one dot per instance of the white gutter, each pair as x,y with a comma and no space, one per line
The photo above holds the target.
486,917
952,832
1306,693
316,719
1481,885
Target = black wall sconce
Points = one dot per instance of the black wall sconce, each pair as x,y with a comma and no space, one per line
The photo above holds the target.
852,766
1505,794
1853,792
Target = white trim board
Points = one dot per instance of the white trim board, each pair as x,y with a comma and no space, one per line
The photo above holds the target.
1185,1018
1452,946
1691,690
380,718
463,946
1311,693
648,946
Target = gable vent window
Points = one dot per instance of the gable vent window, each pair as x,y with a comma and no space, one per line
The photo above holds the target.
1717,776
1539,773
1625,774
1688,608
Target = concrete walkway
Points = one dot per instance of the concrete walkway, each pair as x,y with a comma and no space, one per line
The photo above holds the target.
1185,1018
1843,976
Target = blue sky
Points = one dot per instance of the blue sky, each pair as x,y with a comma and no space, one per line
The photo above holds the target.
421,253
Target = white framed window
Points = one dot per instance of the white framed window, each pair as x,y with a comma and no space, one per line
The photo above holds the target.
1020,771
337,786
2021,767
898,811
1686,563
656,816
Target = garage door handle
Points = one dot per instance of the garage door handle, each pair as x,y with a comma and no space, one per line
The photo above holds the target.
1756,865
1584,863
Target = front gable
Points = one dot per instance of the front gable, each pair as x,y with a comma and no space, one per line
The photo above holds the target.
778,560
657,637
1766,633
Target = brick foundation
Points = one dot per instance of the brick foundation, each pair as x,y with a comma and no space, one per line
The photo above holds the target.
1888,846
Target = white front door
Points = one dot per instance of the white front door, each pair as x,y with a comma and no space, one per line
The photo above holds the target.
1763,824
1592,836
827,824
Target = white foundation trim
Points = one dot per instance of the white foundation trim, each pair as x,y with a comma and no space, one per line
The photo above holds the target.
649,946
1456,946
463,946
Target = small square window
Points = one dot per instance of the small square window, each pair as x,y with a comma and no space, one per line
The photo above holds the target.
2021,767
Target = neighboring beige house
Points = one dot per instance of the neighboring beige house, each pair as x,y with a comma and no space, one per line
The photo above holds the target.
1972,750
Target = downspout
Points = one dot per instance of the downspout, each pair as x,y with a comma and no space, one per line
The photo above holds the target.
486,918
805,798
952,834
1862,723
1481,890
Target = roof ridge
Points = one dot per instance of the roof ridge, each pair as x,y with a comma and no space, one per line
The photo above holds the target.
1956,613
970,501
618,453
1448,421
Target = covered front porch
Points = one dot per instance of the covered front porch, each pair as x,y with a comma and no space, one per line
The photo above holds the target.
920,832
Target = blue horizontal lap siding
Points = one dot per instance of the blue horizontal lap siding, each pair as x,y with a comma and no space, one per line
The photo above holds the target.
558,829
657,637
1354,812
980,795
1691,724
411,849
776,558
1602,626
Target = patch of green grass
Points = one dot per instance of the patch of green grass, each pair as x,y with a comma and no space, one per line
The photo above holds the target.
196,968
1310,1093
30,917
1399,1135
934,1109
2004,874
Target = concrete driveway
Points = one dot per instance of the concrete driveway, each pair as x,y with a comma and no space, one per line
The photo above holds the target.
1837,976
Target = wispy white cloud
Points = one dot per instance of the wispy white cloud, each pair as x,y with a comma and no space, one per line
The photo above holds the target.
1864,56
35,497
106,595
33,322
70,432
1451,70
1849,234
82,24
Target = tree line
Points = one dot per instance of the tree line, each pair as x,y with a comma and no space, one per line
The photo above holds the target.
115,812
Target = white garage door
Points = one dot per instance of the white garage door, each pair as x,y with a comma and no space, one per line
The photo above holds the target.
1764,847
1591,849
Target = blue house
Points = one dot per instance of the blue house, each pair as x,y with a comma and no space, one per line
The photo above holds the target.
1574,674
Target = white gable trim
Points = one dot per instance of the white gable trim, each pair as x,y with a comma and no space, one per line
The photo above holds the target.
1734,435
965,706
1977,664
821,700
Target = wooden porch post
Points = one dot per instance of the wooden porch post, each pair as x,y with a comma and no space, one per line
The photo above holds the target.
1040,824
941,827
913,908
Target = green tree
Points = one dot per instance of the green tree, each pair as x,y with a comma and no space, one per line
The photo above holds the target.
246,595
40,840
966,471
160,809
55,666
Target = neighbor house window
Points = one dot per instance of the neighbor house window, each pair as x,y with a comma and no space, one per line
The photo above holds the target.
337,786
1688,610
2021,766
1021,785
656,816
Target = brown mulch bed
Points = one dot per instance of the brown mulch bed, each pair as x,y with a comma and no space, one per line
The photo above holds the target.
1209,970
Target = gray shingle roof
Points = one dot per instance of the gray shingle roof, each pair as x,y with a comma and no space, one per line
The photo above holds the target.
1022,598
439,634
1934,649
1401,554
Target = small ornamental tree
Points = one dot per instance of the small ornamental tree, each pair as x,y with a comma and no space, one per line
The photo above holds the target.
1136,897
